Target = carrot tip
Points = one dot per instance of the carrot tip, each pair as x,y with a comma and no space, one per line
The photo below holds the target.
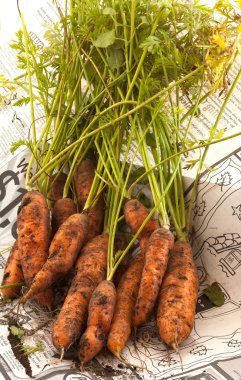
121,359
61,353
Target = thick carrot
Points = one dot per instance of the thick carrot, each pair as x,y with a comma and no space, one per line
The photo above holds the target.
90,271
13,273
178,296
127,291
155,263
100,313
62,209
135,213
63,252
34,234
83,179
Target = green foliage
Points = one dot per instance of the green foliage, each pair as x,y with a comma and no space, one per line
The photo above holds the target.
16,144
214,294
105,39
22,102
152,44
29,350
17,331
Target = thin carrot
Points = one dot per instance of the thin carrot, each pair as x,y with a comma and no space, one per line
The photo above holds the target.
57,187
63,252
12,273
155,263
127,291
178,296
100,313
34,233
135,213
96,218
62,209
83,179
90,271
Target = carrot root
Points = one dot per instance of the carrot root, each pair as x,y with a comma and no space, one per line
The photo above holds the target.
178,296
101,309
155,263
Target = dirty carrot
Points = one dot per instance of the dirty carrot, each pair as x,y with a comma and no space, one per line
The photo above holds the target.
12,273
100,313
62,209
155,263
57,187
83,179
127,291
63,252
135,213
96,217
34,234
90,271
178,296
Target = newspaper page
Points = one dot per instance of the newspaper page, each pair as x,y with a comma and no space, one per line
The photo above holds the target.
213,350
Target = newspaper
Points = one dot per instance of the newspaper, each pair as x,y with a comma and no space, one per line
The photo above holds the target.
213,350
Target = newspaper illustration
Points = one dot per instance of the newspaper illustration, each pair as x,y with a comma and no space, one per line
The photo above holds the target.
213,351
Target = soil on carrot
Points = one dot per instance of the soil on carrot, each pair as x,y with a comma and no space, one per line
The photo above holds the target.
17,348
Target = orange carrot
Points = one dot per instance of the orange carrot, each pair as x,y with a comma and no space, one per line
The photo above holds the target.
13,273
100,313
34,238
83,178
127,291
96,218
155,263
62,209
178,296
135,214
91,269
57,187
63,252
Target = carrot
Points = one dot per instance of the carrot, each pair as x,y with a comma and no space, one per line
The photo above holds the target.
178,296
83,179
34,233
127,291
155,263
57,187
13,273
90,271
63,252
62,209
100,313
135,213
96,218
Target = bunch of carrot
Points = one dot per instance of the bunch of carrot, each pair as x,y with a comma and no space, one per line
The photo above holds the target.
93,310
137,61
